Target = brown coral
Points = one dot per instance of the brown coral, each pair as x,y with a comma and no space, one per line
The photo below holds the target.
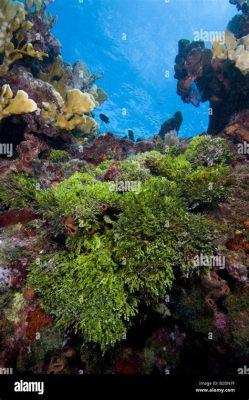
218,288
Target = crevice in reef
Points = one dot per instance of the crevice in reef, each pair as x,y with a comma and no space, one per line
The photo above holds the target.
12,132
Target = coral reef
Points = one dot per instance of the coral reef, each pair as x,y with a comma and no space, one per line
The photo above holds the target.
221,74
53,99
234,50
117,256
14,34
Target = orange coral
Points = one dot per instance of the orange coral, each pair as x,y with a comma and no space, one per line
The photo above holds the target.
36,320
238,243
29,294
70,224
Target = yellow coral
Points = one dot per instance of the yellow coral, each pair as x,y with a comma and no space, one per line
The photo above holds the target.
234,50
230,40
71,113
12,15
225,50
78,102
69,124
13,27
240,54
89,126
48,112
19,104
242,59
219,50
76,105
6,95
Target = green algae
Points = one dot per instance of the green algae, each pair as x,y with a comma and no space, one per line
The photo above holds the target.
128,246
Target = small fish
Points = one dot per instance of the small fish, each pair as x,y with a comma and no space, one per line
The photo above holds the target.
215,98
194,94
104,118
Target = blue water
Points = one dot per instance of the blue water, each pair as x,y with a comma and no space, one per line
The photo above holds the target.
141,97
